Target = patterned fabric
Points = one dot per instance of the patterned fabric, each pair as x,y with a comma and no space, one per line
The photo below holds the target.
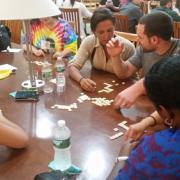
156,157
62,34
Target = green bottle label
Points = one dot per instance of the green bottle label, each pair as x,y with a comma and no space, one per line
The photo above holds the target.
61,144
47,74
60,69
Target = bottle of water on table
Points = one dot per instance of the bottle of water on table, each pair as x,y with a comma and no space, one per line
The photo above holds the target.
60,74
61,143
46,77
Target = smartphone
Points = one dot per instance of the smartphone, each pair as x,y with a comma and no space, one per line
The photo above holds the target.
29,95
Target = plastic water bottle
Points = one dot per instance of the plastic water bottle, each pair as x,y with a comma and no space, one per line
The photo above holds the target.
60,74
46,77
61,143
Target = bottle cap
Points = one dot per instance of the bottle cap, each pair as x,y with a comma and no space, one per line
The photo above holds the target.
61,123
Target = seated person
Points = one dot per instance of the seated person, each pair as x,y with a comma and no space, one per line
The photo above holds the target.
11,135
154,33
166,6
133,11
55,30
94,48
5,37
158,155
83,13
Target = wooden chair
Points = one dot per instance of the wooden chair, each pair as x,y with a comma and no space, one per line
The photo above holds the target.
121,22
130,36
15,27
91,4
72,15
176,30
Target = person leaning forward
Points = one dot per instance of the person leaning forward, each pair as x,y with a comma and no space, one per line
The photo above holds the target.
94,48
154,33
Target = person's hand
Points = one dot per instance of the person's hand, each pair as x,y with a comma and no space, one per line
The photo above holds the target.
114,47
135,131
126,98
38,52
88,85
56,54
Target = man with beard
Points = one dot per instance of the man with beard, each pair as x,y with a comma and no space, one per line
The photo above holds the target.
154,32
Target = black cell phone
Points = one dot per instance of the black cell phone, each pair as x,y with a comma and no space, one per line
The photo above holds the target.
27,95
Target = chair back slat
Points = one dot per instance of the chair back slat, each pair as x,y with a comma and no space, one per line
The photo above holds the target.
176,30
121,23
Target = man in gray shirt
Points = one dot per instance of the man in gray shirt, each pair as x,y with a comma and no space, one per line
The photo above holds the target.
154,32
134,13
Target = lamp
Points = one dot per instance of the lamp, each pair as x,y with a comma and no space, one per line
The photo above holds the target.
26,10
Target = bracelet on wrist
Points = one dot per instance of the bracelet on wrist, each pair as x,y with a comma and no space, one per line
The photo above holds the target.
154,120
81,80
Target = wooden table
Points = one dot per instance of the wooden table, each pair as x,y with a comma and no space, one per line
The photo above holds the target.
91,125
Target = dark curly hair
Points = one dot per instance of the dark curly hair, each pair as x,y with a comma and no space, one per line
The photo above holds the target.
162,82
99,15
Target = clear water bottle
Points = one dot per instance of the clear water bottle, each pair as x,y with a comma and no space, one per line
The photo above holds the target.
60,73
46,77
61,143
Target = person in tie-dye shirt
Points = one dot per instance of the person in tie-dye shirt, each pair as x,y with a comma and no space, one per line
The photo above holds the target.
157,156
56,30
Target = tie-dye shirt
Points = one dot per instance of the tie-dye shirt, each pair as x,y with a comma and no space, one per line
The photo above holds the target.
62,34
157,157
